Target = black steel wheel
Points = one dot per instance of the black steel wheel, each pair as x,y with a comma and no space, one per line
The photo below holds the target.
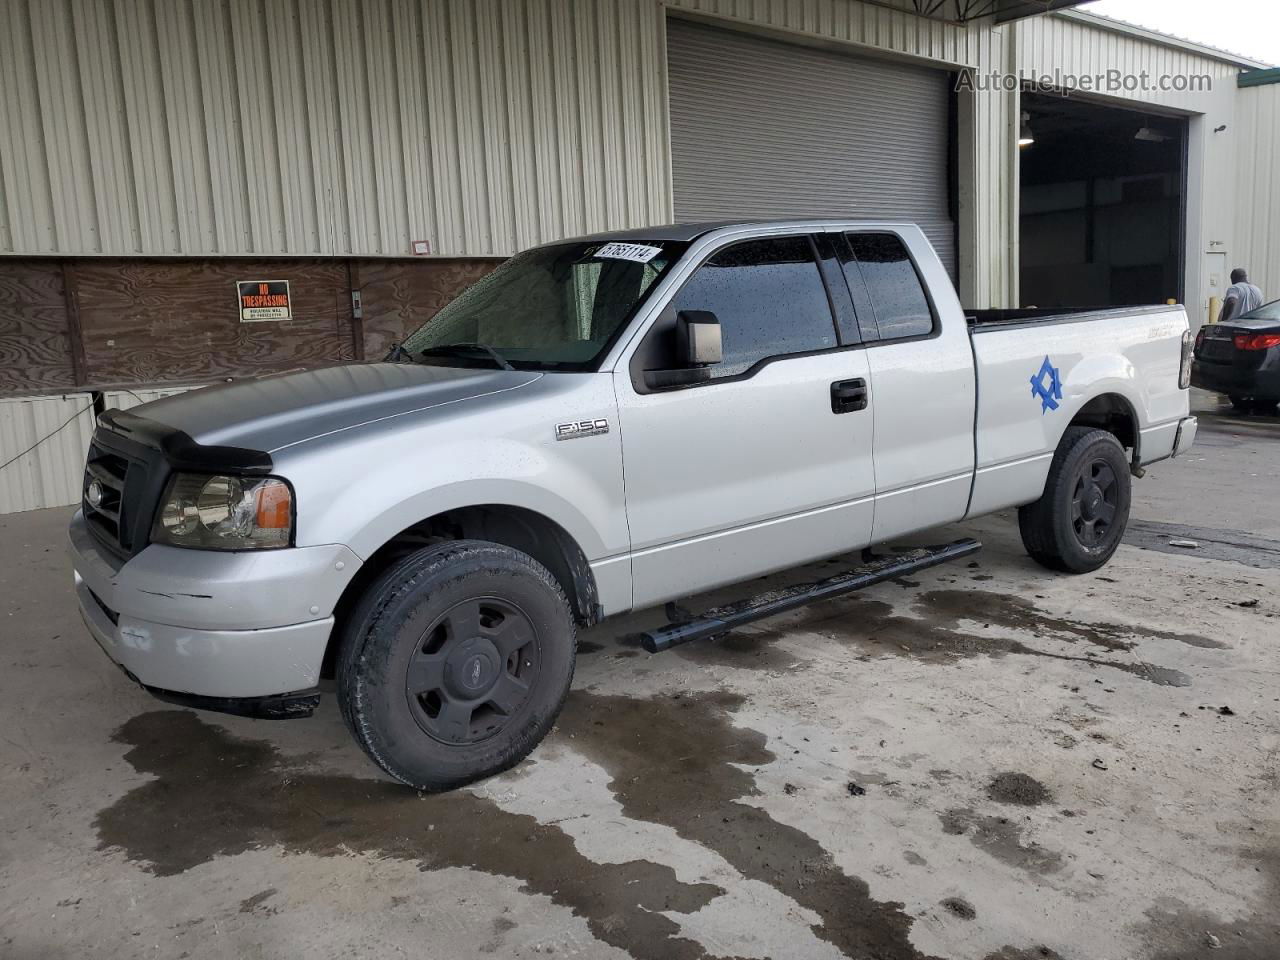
1079,521
1093,503
474,668
455,663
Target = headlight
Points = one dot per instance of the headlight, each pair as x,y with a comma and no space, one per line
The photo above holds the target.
225,513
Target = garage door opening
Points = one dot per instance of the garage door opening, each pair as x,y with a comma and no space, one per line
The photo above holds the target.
766,129
1102,205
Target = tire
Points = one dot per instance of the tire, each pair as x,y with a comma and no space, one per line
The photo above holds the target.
1079,521
477,632
1239,403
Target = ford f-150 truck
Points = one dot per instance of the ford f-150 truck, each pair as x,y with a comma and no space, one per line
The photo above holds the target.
599,425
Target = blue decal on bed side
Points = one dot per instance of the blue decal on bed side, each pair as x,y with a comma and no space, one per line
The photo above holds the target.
1047,385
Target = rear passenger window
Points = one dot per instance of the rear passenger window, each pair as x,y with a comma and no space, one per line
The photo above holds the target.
769,299
897,296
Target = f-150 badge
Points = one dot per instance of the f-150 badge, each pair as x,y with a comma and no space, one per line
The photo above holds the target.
1047,385
581,428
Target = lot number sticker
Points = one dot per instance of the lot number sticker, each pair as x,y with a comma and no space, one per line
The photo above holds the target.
638,252
264,300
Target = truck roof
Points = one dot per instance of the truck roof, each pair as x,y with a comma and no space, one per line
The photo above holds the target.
691,231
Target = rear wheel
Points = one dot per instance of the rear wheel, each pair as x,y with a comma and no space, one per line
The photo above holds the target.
1239,403
1078,522
456,663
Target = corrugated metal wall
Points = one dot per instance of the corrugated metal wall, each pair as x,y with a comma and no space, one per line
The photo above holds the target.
1257,242
49,475
1076,46
330,127
987,262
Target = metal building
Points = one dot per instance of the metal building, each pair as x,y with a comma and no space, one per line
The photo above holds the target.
381,154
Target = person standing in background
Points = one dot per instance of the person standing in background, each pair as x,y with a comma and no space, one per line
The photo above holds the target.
1242,296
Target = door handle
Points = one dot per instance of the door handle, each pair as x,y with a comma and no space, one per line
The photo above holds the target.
848,396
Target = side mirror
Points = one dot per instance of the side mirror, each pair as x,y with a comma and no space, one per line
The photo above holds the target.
697,347
698,338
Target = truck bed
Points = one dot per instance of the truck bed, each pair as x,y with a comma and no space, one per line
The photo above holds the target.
1036,368
1043,316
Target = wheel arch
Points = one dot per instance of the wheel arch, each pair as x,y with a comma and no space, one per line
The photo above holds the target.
521,528
1116,414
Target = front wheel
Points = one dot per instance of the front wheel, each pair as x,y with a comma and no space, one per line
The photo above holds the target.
456,663
1078,522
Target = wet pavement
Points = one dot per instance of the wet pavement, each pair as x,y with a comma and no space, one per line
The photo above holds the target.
983,761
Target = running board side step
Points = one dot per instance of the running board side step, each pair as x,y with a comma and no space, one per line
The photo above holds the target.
722,619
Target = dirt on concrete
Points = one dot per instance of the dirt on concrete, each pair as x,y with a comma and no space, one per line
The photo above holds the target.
1018,788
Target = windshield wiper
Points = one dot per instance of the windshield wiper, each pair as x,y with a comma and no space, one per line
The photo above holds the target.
456,349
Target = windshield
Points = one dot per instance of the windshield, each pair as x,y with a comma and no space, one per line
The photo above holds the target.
556,307
1268,311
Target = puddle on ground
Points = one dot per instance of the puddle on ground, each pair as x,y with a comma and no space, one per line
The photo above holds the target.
874,626
677,761
674,760
1176,930
1002,839
743,649
219,795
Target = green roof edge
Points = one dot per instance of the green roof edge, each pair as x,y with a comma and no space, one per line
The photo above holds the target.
1258,78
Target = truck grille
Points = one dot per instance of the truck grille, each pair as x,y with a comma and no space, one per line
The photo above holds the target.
103,495
123,481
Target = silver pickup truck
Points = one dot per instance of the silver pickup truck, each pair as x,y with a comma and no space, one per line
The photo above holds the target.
601,424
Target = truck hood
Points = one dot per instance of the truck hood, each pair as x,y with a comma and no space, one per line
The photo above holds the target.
279,411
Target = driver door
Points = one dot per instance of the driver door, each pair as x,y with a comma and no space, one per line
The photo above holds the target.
767,464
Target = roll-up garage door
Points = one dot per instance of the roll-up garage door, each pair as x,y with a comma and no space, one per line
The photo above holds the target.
761,128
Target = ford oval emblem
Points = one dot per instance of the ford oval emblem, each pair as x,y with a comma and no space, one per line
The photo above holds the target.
94,494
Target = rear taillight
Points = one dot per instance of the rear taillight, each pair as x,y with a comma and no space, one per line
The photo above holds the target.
1200,339
1256,341
1184,372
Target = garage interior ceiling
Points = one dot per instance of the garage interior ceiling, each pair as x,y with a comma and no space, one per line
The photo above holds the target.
1101,207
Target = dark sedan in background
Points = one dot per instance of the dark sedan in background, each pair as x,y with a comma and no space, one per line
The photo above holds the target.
1241,358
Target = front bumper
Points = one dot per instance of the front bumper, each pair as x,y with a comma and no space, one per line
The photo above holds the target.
209,627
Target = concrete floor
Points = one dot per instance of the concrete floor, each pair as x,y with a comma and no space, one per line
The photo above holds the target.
987,761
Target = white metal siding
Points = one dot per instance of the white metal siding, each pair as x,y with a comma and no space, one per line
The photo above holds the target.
329,127
767,129
1078,47
1257,242
50,474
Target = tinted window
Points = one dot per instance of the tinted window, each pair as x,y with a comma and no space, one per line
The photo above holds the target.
899,301
768,297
